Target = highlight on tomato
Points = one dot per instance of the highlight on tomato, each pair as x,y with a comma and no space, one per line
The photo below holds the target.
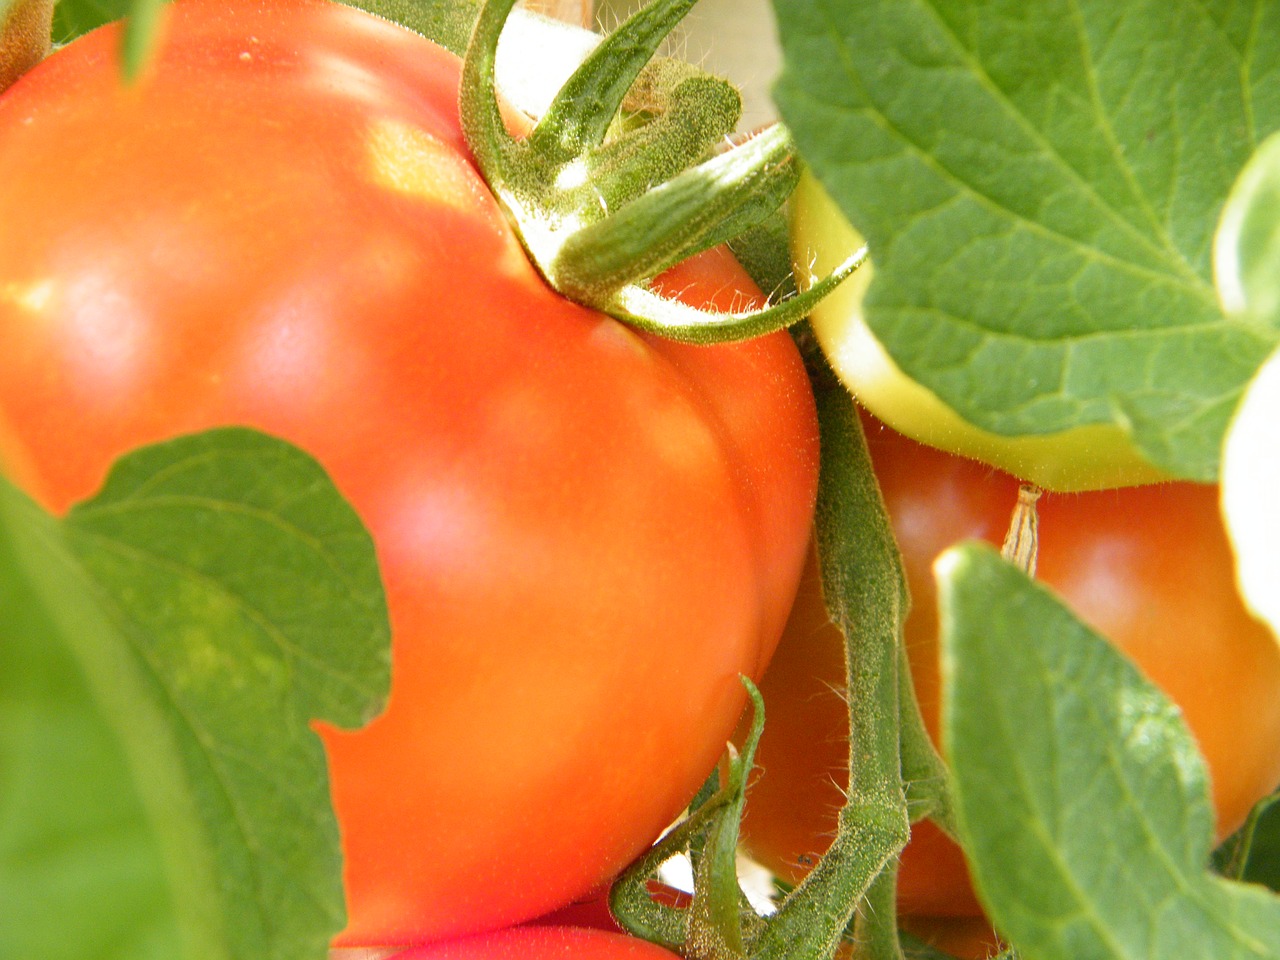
587,534
1148,567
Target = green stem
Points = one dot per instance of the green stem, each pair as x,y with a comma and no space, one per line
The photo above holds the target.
139,39
862,582
874,934
925,775
645,310
482,124
697,113
716,917
582,111
694,211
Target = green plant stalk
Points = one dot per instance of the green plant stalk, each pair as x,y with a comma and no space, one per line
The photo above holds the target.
863,585
580,115
629,899
138,41
720,919
874,932
716,917
25,30
645,310
697,210
924,773
693,114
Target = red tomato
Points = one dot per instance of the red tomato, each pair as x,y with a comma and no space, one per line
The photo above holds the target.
1149,567
542,943
586,534
965,938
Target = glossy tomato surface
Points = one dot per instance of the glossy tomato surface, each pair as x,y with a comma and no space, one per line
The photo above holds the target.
543,943
1149,567
586,535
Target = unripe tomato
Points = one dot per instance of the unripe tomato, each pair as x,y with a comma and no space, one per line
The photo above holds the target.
1148,567
586,534
1089,457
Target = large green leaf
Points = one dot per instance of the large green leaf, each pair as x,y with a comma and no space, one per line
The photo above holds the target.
162,652
1081,799
1039,182
73,18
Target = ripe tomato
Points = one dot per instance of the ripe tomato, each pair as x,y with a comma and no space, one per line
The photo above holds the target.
1149,567
586,534
543,943
965,938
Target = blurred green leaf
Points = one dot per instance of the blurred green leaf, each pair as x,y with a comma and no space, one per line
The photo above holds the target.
1263,864
74,18
1252,853
1081,799
163,651
1039,183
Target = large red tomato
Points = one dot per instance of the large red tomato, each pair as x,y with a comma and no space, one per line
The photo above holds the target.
543,943
1149,567
586,534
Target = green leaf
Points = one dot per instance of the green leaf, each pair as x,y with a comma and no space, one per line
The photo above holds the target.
162,654
1039,183
1252,853
1263,864
74,18
447,22
1080,796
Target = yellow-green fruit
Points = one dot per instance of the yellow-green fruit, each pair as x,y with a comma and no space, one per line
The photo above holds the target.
1092,457
1250,483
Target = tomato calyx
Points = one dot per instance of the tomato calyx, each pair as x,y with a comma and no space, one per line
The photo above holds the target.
603,204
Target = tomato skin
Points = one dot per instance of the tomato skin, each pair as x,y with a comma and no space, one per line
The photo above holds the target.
965,938
543,943
586,534
1149,567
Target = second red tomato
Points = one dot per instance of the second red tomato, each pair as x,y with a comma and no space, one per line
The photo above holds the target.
1148,567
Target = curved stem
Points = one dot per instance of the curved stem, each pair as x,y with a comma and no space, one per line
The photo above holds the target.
862,581
694,211
645,310
875,928
696,114
487,136
580,115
